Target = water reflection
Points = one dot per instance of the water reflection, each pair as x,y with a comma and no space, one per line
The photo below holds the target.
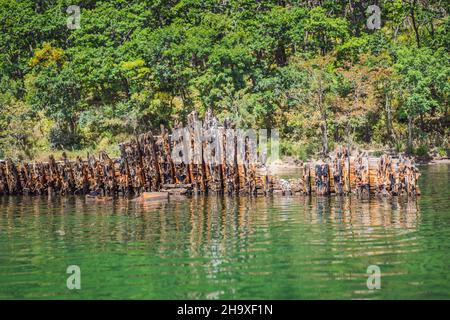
225,247
202,226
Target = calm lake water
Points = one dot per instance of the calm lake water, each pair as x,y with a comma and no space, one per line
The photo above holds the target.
229,248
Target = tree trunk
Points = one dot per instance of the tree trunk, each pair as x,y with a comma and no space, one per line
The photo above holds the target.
390,132
432,28
325,137
410,141
323,126
415,27
348,133
280,55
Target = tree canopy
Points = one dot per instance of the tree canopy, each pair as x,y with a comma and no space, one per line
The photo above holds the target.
312,69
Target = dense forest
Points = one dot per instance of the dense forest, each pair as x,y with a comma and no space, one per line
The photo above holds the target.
311,68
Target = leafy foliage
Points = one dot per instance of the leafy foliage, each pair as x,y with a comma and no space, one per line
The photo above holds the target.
310,68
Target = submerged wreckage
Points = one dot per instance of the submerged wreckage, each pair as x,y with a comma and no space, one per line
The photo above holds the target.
146,165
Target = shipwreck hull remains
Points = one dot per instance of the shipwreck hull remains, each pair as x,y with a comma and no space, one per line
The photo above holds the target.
358,174
146,165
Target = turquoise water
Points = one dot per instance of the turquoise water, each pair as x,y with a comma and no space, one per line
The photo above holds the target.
229,248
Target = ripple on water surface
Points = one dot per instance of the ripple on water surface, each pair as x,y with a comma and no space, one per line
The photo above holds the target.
220,247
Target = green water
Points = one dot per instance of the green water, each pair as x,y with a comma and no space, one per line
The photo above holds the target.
229,248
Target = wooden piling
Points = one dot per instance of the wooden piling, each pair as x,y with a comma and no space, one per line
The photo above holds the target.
218,160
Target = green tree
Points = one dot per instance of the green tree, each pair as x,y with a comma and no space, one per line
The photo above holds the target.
424,82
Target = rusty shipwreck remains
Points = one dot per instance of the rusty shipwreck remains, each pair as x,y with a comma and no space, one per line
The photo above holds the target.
146,165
